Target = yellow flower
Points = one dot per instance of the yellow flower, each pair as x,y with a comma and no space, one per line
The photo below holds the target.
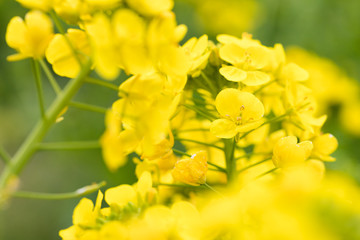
248,60
199,52
288,153
105,56
44,5
129,32
324,145
116,142
151,7
30,37
239,111
192,170
61,55
138,195
163,37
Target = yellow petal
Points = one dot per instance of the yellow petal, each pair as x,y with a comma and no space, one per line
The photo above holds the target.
83,212
232,53
15,33
325,144
232,73
293,72
256,78
121,195
228,103
223,128
144,184
288,153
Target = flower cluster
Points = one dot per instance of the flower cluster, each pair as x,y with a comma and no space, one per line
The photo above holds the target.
233,118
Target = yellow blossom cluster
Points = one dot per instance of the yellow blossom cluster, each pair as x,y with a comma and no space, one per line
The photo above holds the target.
226,136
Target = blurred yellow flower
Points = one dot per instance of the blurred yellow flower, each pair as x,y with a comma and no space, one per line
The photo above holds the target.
287,152
30,37
151,7
44,5
192,170
62,56
324,145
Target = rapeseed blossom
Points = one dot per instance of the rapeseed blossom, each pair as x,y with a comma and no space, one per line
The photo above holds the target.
240,112
30,37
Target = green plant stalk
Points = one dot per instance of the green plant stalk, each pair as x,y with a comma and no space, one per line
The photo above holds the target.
4,155
59,196
37,134
36,72
88,107
102,83
50,76
229,150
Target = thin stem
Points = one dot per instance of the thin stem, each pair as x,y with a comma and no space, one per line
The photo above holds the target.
36,72
267,172
229,150
253,165
29,146
102,83
275,119
69,145
212,189
200,112
252,154
221,169
50,76
177,185
181,152
59,196
88,107
209,82
4,155
264,86
193,130
198,142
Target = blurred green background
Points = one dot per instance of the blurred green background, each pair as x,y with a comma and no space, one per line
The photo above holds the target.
329,28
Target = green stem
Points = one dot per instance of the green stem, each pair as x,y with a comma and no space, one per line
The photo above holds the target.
209,83
198,142
221,169
177,185
30,145
212,189
200,112
102,83
253,165
275,119
69,145
59,196
229,150
4,155
193,130
50,76
264,86
36,72
253,154
267,172
181,152
88,107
